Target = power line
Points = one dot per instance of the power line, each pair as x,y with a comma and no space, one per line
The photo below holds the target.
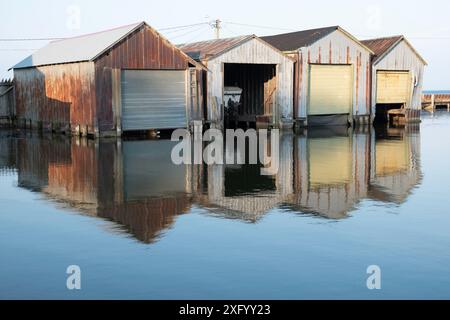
186,33
226,27
417,38
52,38
190,40
185,26
259,26
177,29
19,49
174,31
29,39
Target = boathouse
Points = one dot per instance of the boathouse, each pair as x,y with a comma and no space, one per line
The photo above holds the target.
125,79
332,76
397,78
259,76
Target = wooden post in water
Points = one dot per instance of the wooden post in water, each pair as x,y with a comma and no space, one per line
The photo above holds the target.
433,107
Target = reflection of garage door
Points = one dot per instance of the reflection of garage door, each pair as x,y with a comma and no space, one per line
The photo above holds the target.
330,161
331,89
153,99
392,158
148,170
393,86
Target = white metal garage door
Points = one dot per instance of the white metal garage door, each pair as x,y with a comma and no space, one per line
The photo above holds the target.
331,89
153,99
393,86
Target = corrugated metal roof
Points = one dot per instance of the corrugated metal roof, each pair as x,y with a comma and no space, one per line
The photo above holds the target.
296,40
381,45
77,49
206,49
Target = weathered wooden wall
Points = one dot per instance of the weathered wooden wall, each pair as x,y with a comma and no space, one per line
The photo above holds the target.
144,49
7,101
254,51
8,153
59,95
402,58
336,48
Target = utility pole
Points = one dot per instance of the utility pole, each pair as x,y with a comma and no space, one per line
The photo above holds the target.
216,25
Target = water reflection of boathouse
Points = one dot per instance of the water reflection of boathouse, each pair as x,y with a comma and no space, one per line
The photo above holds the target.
135,184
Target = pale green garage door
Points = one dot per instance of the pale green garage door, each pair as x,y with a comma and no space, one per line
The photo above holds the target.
331,89
153,99
393,86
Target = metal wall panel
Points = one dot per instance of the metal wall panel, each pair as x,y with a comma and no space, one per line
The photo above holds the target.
254,51
144,49
331,89
393,86
153,99
402,57
60,94
336,48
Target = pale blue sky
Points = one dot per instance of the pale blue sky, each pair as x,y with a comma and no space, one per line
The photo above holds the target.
425,23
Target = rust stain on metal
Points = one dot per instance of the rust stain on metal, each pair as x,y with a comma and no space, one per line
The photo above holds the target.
330,54
80,94
380,46
300,83
368,85
205,49
358,68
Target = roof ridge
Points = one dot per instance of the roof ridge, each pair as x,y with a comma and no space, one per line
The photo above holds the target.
213,40
383,38
306,30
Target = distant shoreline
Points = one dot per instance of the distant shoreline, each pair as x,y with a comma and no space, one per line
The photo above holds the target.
436,92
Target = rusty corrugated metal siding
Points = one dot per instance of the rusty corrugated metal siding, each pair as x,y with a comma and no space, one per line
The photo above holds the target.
381,45
80,95
144,49
58,94
204,49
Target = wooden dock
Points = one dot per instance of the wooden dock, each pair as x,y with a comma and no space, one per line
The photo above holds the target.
432,102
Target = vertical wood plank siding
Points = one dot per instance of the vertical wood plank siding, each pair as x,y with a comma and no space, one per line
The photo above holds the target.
401,58
144,49
62,94
7,103
336,48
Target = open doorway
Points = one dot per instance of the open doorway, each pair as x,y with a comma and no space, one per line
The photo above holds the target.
249,95
382,113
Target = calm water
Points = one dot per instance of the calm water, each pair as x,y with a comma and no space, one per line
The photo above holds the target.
142,228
